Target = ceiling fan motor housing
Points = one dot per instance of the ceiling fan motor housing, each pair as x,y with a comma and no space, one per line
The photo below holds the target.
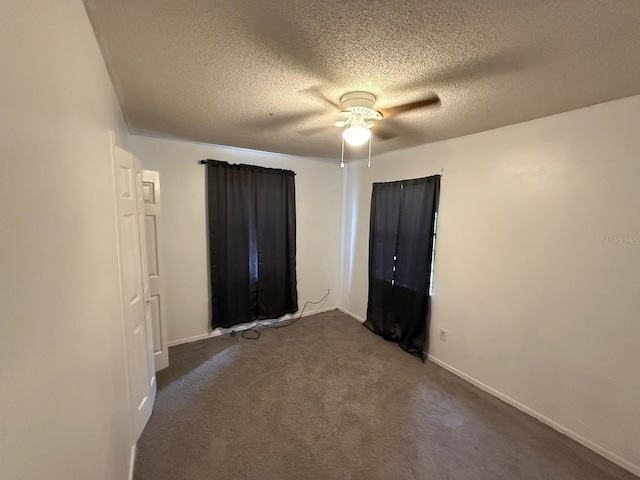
360,107
357,99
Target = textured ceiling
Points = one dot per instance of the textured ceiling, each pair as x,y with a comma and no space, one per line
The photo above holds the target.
267,75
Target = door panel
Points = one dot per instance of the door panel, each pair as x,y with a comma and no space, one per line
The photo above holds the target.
138,356
151,205
145,275
155,319
152,251
130,254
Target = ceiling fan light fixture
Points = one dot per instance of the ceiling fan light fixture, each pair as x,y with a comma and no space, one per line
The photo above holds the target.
356,135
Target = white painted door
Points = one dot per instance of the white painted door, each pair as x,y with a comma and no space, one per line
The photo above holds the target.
151,199
145,275
139,356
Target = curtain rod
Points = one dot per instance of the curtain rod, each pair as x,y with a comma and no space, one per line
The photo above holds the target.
247,166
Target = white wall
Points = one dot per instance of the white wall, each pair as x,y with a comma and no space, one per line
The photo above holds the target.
183,234
63,389
538,304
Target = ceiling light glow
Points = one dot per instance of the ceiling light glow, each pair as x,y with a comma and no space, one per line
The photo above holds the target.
356,135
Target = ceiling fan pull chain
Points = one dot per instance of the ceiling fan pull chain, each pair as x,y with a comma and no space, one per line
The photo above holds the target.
369,165
342,160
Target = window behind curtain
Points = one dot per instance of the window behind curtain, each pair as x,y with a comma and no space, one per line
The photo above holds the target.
252,243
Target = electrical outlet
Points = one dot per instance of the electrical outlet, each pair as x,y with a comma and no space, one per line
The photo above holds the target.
443,334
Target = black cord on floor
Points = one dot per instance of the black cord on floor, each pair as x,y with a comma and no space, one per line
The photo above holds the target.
279,325
253,331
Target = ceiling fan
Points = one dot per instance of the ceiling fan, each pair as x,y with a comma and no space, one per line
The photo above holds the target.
359,112
360,116
360,120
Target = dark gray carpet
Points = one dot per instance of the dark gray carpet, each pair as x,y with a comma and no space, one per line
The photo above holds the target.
327,399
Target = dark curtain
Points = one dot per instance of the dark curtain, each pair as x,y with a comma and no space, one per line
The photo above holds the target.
400,247
252,243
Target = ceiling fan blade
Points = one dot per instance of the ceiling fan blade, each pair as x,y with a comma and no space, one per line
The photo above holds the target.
316,92
275,121
407,107
496,64
272,30
383,132
341,124
392,128
313,131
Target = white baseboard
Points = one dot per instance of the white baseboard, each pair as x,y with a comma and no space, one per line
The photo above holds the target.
239,328
195,338
635,469
347,312
132,461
